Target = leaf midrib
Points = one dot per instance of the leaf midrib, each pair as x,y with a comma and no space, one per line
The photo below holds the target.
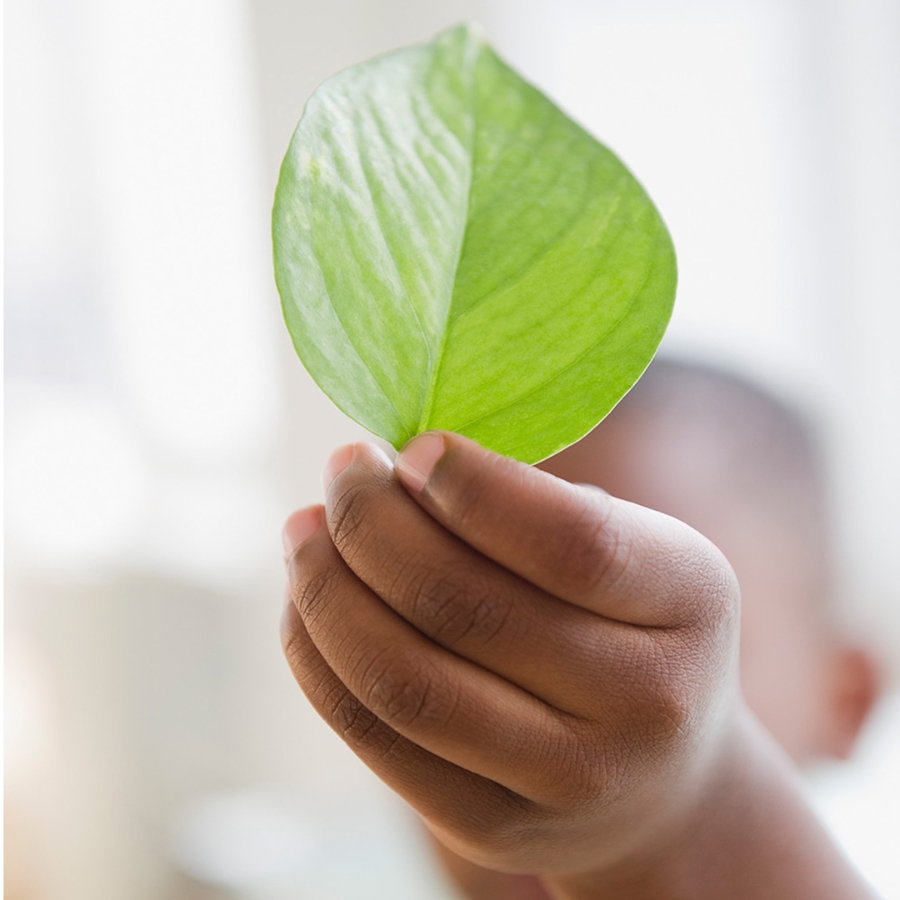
428,403
520,275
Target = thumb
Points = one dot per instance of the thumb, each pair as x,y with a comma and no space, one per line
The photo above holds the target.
615,558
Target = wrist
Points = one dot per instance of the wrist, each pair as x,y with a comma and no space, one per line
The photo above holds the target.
748,834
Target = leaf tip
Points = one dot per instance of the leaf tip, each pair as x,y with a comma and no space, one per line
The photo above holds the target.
469,32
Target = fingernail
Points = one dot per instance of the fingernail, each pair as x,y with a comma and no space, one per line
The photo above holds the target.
300,527
418,458
337,462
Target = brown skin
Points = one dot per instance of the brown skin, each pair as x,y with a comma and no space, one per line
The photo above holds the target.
806,682
548,675
810,687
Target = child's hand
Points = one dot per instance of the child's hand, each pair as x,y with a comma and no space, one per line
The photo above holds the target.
547,674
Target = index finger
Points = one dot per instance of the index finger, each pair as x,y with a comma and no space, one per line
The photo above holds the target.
615,558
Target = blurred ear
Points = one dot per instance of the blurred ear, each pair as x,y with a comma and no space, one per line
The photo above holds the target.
856,686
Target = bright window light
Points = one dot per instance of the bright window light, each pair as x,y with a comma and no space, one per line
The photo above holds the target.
76,482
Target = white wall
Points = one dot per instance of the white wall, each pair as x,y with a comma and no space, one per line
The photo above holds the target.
159,426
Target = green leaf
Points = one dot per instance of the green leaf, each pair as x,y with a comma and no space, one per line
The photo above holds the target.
452,251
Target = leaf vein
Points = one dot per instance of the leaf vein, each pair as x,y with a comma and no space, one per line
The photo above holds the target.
518,276
569,365
383,230
337,314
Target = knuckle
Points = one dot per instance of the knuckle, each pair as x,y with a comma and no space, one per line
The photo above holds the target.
453,608
313,674
323,689
311,589
349,516
665,704
297,649
381,743
598,552
576,760
354,724
591,778
407,696
673,713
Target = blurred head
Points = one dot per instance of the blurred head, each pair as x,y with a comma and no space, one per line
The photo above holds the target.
743,469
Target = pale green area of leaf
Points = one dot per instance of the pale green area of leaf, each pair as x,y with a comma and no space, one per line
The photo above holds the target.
454,252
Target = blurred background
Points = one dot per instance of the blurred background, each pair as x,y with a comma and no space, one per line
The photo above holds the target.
159,428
